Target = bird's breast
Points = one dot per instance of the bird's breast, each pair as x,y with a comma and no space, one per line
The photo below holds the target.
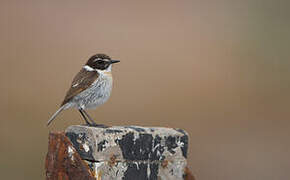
98,93
103,83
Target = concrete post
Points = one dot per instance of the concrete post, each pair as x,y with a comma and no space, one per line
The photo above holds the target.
130,152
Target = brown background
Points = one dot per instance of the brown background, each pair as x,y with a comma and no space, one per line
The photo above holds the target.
219,70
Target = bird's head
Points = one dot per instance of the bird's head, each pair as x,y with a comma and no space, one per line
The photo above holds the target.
100,62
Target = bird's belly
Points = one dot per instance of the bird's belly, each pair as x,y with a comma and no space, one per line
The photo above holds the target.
96,95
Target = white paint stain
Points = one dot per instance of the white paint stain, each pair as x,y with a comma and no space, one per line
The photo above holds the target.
98,165
70,152
137,165
86,147
148,170
97,168
180,143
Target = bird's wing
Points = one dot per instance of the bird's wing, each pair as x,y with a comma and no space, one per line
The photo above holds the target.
80,83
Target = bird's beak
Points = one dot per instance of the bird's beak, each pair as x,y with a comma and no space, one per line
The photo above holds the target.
114,61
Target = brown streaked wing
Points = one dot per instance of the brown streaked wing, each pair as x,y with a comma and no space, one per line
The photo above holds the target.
80,83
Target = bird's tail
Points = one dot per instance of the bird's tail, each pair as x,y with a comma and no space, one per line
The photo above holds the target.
56,113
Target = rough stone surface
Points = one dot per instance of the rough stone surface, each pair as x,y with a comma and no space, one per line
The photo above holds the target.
132,152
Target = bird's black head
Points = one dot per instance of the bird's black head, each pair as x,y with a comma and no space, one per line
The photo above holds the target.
100,62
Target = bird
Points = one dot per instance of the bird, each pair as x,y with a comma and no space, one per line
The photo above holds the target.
90,88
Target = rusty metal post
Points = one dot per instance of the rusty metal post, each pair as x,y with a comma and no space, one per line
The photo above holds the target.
118,153
63,162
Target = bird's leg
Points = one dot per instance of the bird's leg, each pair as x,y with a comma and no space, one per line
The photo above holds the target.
87,114
94,123
85,118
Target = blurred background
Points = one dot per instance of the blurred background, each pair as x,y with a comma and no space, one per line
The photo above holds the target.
218,69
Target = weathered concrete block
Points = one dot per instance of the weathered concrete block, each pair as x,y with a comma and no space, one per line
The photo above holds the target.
132,152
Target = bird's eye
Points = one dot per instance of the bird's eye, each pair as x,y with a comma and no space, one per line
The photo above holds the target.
100,62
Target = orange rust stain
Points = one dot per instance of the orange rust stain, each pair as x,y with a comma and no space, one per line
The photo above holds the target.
112,161
99,177
188,174
164,163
